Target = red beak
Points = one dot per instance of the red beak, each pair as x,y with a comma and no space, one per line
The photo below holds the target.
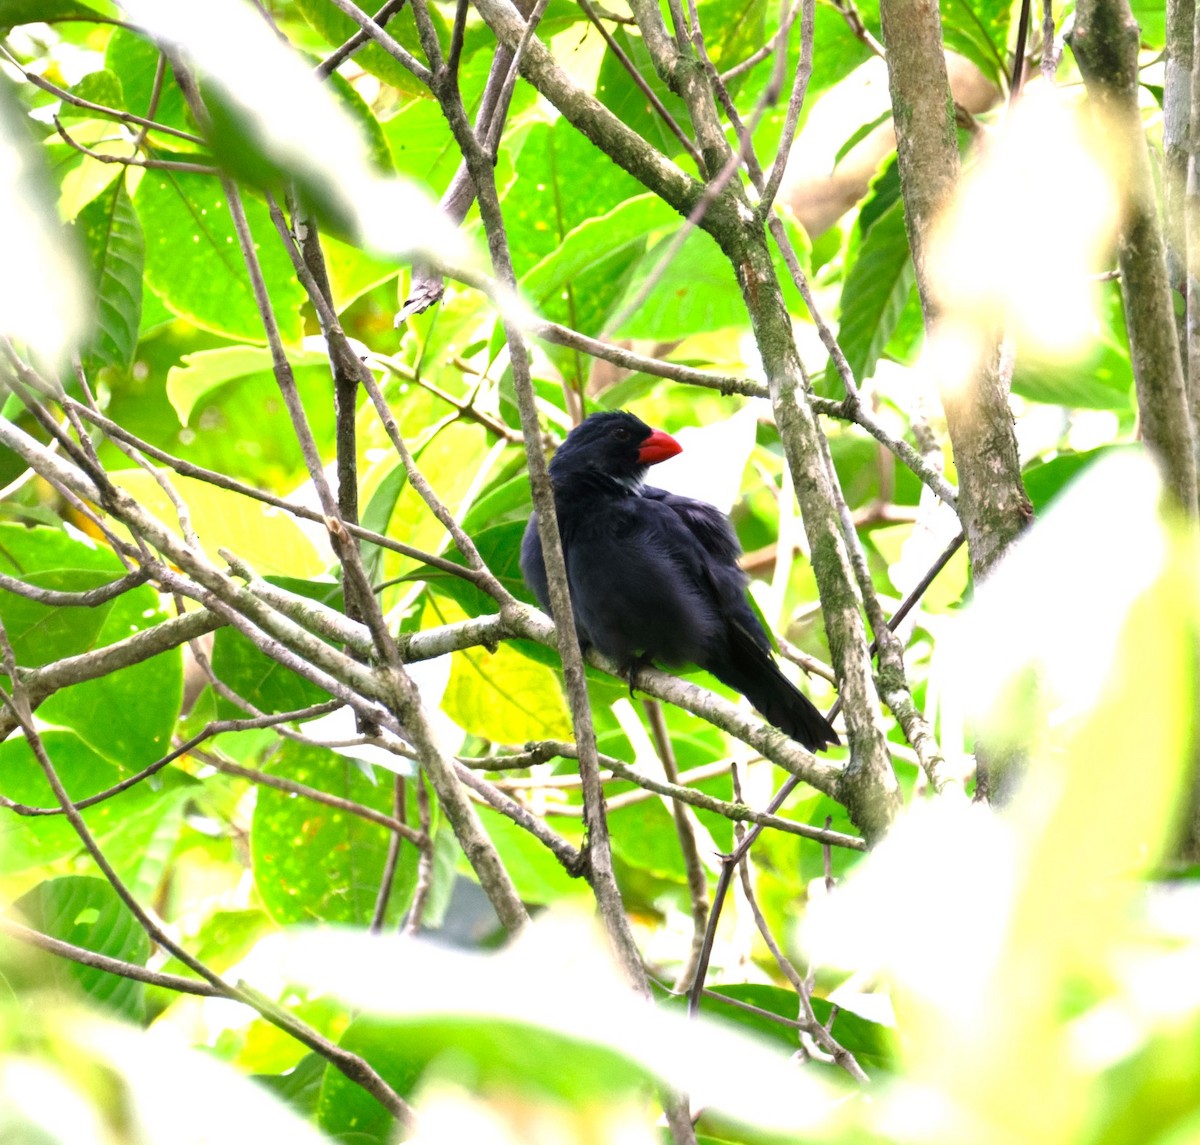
658,447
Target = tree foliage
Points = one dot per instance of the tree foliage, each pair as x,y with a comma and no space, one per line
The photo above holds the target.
276,700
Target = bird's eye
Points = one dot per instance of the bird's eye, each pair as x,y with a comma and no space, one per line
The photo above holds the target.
621,433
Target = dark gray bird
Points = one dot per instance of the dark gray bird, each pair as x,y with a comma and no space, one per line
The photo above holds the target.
654,576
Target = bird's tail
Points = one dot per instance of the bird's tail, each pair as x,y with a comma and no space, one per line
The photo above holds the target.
750,669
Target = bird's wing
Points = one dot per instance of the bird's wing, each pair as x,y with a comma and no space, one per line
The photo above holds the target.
717,568
533,564
706,522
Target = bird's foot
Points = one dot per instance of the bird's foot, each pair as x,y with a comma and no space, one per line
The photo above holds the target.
634,668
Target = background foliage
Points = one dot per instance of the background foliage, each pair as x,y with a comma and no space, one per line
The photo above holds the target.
994,976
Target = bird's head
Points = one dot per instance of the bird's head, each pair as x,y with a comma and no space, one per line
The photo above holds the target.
616,445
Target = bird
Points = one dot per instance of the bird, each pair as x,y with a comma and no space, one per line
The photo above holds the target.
654,576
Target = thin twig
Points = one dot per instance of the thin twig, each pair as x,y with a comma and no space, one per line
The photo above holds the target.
341,54
133,160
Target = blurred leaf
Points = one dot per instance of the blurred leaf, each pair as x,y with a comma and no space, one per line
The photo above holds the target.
1044,480
43,11
87,912
46,305
346,1110
273,124
301,1086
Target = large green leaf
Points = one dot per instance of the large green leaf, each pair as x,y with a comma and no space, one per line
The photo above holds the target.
875,293
316,863
194,263
27,842
254,676
48,558
564,181
978,29
43,11
596,254
136,60
199,374
345,1110
336,27
87,912
115,245
538,876
127,714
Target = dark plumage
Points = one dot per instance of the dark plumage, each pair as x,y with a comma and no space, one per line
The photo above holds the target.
654,576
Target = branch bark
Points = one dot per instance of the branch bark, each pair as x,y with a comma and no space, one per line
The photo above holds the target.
1105,42
992,502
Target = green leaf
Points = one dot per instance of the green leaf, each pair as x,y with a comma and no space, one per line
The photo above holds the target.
201,373
345,1110
288,831
194,263
87,912
26,843
14,12
1044,480
697,292
504,697
858,136
336,27
562,185
627,102
270,541
378,515
115,245
127,714
538,876
135,60
102,87
875,294
301,1086
978,29
596,253
254,676
353,272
